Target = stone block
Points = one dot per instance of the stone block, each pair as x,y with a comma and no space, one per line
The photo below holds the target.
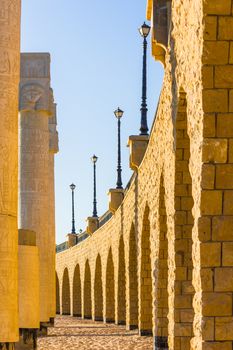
217,304
230,154
214,151
224,176
224,328
231,100
216,53
225,28
181,190
217,346
208,77
210,254
186,203
204,229
208,328
223,279
231,53
208,176
209,128
222,228
183,302
211,202
228,203
227,254
225,125
207,277
183,330
223,76
216,7
215,100
186,316
210,32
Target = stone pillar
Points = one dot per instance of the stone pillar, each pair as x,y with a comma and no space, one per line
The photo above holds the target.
116,197
36,106
92,224
71,239
53,149
9,80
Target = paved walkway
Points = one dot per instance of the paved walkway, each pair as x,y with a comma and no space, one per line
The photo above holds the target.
72,333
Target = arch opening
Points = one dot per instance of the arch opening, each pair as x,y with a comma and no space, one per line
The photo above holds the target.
110,290
57,296
121,302
184,291
87,292
66,293
132,304
77,300
161,299
98,291
145,306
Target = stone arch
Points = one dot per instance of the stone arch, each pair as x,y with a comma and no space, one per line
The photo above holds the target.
77,299
57,296
161,276
121,302
98,291
110,289
66,293
184,290
145,306
87,292
132,299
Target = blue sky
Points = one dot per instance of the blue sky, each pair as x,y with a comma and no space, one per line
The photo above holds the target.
96,54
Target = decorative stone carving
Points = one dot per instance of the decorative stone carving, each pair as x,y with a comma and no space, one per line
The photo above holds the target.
32,97
35,91
36,175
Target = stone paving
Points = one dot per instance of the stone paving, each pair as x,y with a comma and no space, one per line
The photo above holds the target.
72,333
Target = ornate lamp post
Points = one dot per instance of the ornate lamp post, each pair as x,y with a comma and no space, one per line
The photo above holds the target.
72,187
119,113
144,30
94,160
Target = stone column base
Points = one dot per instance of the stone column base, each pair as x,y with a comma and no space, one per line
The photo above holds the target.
27,340
43,329
51,321
160,343
7,346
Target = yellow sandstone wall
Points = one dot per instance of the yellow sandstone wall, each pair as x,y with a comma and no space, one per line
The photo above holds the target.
175,224
9,80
